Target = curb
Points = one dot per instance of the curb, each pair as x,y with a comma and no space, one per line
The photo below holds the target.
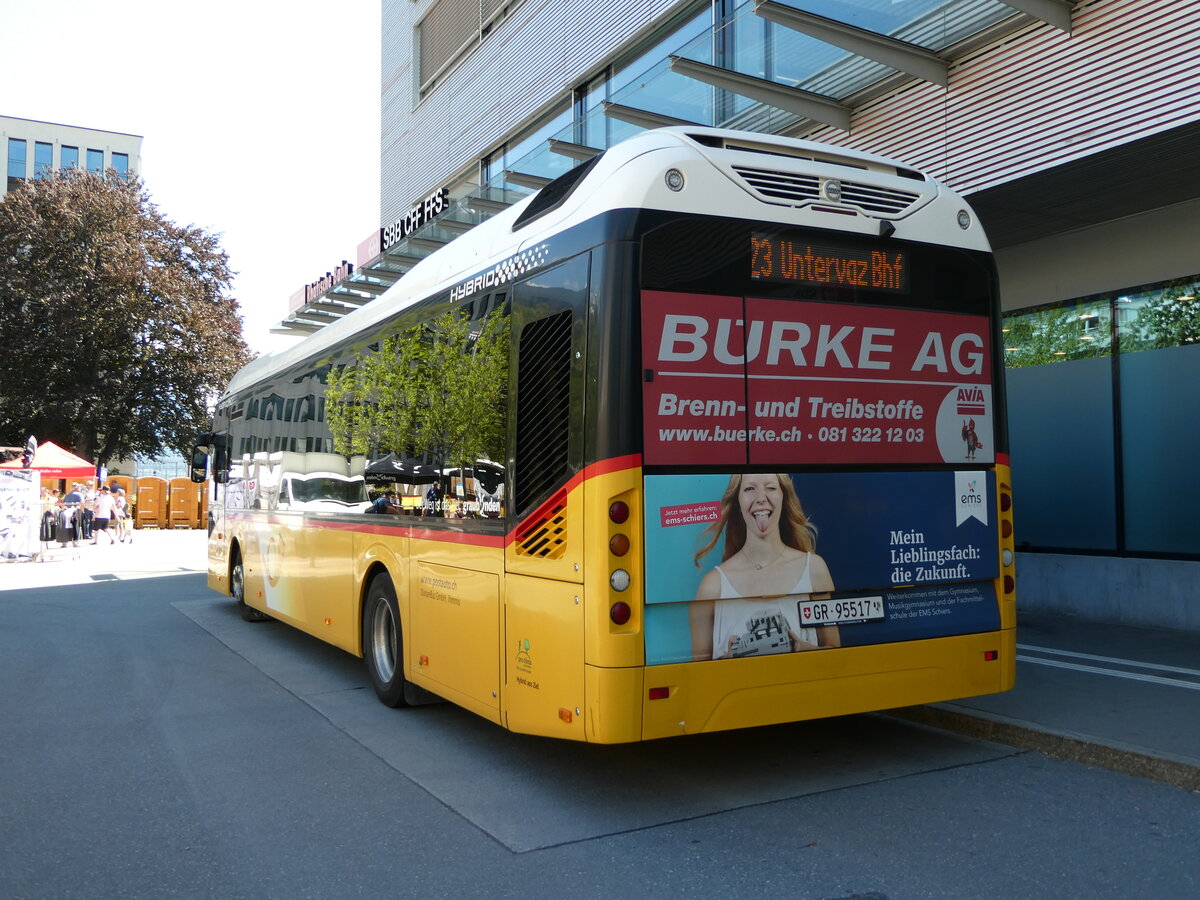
1077,748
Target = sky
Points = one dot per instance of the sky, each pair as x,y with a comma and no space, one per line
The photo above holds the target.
259,119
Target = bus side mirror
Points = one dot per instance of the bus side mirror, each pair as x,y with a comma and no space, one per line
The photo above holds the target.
199,465
221,464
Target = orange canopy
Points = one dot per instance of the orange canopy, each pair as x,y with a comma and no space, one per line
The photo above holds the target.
55,462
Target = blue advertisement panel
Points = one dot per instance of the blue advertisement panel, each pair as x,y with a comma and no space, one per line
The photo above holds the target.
751,564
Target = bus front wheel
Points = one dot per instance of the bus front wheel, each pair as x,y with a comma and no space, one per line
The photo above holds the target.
237,587
383,644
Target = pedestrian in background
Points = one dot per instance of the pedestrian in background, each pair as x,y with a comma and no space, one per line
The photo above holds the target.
121,515
103,513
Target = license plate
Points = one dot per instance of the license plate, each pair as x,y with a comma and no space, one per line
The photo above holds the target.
840,612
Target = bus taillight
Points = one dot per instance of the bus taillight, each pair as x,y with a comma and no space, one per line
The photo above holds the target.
620,613
618,512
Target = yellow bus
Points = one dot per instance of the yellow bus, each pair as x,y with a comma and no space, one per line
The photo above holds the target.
706,434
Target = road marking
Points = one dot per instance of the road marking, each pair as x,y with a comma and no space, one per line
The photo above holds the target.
1110,659
1112,673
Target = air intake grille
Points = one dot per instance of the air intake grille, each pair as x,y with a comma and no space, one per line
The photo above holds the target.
877,199
547,537
795,188
543,409
784,185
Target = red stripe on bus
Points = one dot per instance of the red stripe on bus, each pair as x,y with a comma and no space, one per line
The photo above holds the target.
603,467
596,469
398,529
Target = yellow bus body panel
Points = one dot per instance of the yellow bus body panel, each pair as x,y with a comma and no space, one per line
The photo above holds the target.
614,704
544,679
727,694
453,634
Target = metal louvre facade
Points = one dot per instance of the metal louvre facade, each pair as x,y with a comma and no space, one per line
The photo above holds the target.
1042,97
537,50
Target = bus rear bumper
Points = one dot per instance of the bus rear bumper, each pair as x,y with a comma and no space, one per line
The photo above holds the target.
728,694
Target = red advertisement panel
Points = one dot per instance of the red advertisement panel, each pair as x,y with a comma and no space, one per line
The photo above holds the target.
694,391
800,382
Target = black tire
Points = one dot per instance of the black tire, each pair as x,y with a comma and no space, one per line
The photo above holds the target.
237,587
383,643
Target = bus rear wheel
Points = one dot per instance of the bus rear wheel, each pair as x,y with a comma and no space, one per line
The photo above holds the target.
382,642
237,587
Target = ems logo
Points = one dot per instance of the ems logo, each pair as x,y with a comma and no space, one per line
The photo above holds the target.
969,501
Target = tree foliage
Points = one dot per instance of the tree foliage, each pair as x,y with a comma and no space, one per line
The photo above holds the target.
1166,316
117,325
435,390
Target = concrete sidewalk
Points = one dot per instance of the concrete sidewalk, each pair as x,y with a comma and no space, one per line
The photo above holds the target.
1115,696
152,553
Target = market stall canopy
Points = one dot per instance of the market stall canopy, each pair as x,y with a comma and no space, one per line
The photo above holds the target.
393,469
55,462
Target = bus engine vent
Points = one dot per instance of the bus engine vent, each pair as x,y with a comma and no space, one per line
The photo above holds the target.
543,410
798,189
545,536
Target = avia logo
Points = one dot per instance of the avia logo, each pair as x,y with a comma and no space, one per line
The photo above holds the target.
971,401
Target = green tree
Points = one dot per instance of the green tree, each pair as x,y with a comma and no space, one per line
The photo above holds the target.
436,390
117,325
1056,334
1171,318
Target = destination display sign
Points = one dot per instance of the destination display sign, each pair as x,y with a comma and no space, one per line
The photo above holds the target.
783,260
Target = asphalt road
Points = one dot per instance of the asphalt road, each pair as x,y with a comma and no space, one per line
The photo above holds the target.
154,745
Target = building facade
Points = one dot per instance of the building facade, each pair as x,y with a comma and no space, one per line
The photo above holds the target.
34,148
1071,126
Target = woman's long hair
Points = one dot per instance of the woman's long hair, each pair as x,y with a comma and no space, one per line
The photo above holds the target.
794,528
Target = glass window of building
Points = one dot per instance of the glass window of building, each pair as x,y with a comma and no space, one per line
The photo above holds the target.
43,159
68,157
95,161
16,162
120,162
1103,420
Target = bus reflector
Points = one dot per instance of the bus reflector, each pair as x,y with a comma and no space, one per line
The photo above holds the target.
620,613
991,655
564,714
328,621
619,512
1009,584
659,693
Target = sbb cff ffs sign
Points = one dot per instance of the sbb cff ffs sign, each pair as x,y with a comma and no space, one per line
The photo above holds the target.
421,213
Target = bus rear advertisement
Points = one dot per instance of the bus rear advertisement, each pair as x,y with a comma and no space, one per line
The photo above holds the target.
707,434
